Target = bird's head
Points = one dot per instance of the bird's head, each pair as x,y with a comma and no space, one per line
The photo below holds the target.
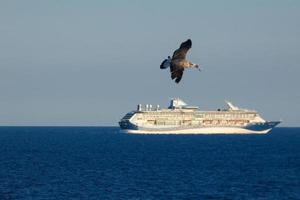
196,66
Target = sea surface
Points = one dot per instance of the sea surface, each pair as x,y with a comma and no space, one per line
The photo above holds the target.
101,163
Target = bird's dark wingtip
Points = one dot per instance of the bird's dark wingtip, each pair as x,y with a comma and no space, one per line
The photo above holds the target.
177,80
186,44
189,41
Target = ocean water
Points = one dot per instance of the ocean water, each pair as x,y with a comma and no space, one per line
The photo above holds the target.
101,163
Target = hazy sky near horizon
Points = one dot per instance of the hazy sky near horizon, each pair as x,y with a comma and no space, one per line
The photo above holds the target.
90,62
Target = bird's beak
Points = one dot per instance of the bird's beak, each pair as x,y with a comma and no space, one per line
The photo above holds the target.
198,67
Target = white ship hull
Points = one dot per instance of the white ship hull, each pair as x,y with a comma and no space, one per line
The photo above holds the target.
211,130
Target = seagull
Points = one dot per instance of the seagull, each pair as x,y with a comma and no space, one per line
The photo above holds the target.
178,61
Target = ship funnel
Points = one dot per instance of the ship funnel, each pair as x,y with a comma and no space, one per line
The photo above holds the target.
231,106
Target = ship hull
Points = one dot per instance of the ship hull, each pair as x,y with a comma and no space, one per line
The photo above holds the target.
261,128
219,130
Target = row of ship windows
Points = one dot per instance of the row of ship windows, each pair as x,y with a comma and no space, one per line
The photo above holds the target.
174,122
205,122
202,115
164,118
230,116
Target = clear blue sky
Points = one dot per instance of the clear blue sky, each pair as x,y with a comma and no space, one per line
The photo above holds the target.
90,62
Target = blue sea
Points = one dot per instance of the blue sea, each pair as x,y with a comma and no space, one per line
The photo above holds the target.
101,163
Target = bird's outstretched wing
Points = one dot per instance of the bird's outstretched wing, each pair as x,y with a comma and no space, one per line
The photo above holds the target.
176,73
183,49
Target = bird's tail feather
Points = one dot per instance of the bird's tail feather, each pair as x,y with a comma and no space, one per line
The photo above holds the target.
165,64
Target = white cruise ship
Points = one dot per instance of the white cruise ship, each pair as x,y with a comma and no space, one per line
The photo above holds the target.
179,118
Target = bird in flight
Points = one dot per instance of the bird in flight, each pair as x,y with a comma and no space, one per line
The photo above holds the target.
178,61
